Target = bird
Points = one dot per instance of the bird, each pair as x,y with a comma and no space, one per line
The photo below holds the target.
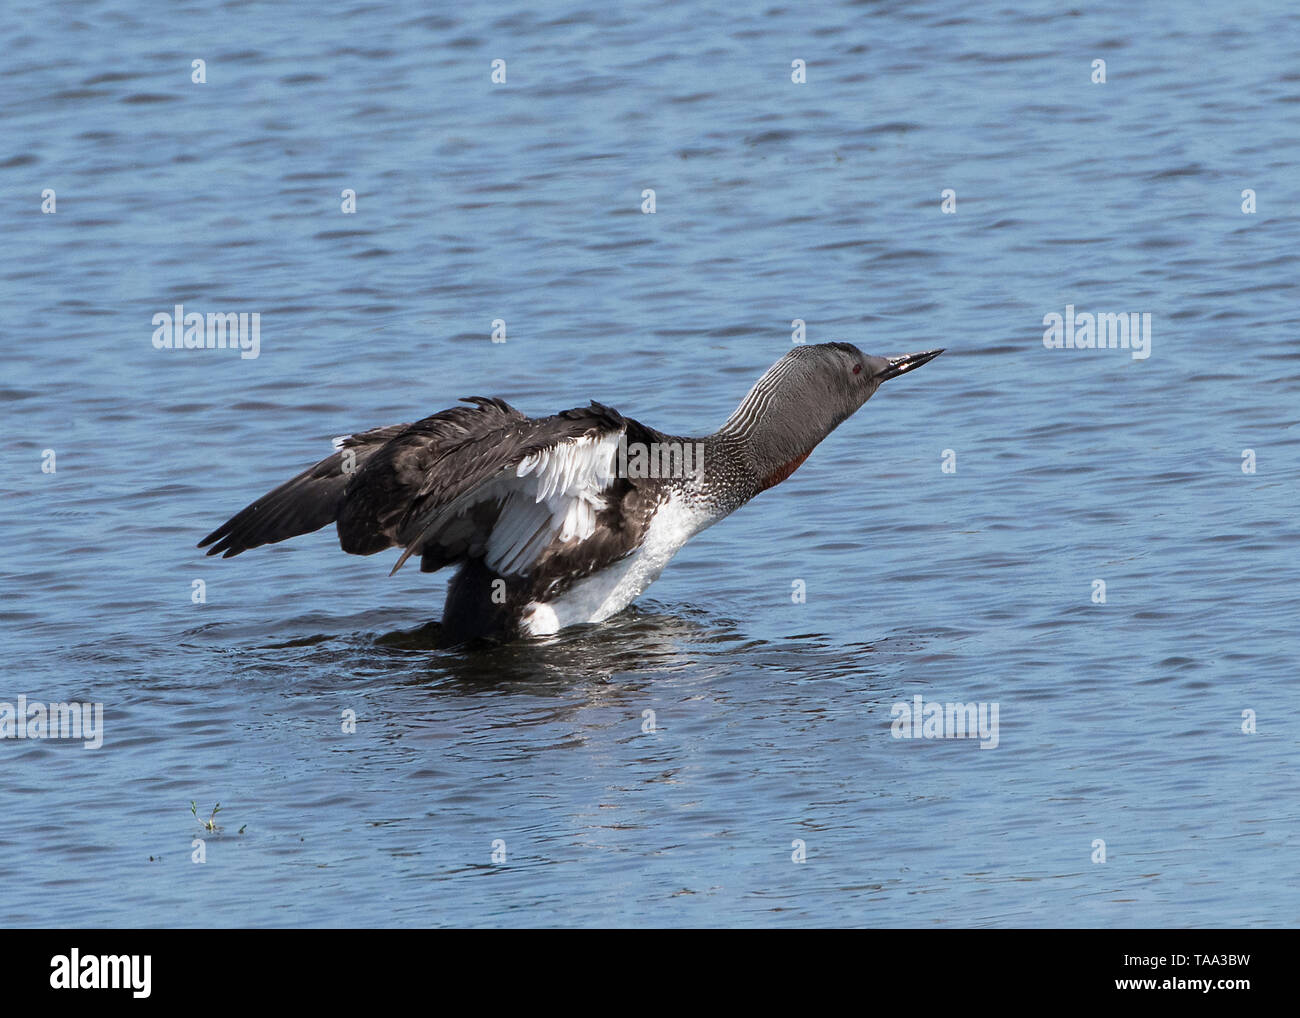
562,520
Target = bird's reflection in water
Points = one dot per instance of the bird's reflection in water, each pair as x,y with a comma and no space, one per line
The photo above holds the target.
648,645
640,642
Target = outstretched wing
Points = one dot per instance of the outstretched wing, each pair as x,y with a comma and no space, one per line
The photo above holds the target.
303,504
510,501
449,447
481,480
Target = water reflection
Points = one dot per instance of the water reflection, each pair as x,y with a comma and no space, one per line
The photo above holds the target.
637,642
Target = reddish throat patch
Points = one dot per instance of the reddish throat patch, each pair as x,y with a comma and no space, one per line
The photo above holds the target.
781,473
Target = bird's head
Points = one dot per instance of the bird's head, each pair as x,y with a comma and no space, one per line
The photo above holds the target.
805,396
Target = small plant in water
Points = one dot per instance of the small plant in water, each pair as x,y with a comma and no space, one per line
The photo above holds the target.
210,824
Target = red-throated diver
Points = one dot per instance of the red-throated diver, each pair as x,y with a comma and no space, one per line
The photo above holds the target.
550,519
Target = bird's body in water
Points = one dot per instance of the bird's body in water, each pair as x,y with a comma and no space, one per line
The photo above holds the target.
561,520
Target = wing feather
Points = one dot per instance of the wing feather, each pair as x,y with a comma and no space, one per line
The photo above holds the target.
531,501
303,503
479,480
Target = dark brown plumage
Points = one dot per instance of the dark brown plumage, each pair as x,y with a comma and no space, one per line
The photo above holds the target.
402,475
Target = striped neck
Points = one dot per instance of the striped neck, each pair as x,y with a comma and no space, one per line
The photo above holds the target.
780,422
761,444
747,419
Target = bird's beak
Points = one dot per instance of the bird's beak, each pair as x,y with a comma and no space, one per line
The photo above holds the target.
902,365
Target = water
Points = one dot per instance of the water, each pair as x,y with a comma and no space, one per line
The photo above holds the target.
775,201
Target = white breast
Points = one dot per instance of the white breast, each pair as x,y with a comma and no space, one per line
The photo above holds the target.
608,592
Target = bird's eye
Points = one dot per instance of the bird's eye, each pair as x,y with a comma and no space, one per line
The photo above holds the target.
857,369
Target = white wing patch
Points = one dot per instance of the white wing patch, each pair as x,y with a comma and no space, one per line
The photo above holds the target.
554,492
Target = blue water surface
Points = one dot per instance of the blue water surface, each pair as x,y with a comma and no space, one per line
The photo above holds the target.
1120,722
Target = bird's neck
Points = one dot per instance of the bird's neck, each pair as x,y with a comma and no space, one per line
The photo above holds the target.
764,435
763,442
748,463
